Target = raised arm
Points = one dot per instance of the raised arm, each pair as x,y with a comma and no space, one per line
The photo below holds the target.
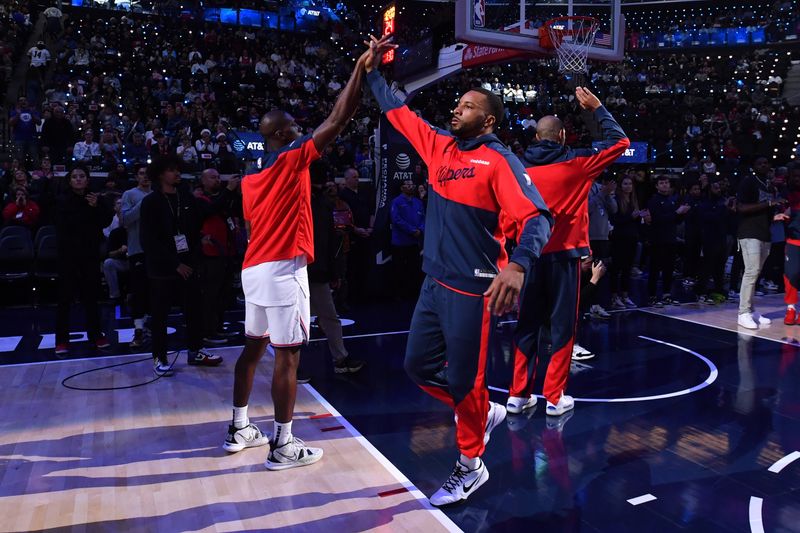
614,140
422,136
347,102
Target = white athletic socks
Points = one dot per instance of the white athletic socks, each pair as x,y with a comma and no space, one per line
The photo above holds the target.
282,433
240,417
472,464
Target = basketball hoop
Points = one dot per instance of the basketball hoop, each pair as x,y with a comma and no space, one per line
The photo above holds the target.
571,38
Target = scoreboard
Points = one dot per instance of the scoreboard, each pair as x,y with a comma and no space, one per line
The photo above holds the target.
388,18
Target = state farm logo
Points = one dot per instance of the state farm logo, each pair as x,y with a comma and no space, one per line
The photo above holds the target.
445,174
472,51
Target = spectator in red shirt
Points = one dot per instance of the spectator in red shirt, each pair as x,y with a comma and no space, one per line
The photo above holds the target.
22,211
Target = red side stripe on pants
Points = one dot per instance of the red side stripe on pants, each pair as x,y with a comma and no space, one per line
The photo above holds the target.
473,411
555,380
521,383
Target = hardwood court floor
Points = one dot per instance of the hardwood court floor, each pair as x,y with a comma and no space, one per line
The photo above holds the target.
150,458
725,316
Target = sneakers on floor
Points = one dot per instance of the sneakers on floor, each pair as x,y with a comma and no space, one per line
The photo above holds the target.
162,368
302,377
497,413
516,405
461,484
348,365
769,286
790,318
62,348
203,358
247,437
669,300
291,455
565,403
761,320
655,302
579,353
746,321
616,303
630,304
138,339
597,311
733,295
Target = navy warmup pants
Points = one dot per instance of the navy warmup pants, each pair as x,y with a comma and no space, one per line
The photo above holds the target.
446,356
549,299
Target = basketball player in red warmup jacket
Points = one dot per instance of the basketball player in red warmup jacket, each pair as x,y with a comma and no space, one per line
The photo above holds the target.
277,207
473,178
551,293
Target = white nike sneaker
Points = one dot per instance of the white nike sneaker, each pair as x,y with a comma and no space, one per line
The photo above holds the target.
497,413
516,405
746,321
762,320
292,454
460,485
247,437
579,353
565,403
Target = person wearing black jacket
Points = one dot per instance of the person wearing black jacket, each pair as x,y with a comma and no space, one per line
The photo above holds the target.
626,221
80,219
322,272
171,218
692,234
662,216
713,215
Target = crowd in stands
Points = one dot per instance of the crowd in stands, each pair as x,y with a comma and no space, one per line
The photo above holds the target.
15,28
778,17
123,89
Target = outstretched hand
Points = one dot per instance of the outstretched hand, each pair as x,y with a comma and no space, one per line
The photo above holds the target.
377,47
587,99
504,291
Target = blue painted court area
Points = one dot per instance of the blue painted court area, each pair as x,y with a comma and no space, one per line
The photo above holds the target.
677,426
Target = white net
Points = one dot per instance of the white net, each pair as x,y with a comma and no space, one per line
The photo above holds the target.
572,37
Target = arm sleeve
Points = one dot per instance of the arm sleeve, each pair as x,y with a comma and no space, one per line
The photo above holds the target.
613,145
398,220
521,201
130,210
422,136
301,152
9,211
611,204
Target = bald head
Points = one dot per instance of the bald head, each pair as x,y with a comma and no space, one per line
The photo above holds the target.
273,121
550,128
209,179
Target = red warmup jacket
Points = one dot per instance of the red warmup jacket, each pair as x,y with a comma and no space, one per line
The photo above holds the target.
564,177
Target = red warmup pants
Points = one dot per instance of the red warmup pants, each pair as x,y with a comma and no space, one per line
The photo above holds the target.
549,300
